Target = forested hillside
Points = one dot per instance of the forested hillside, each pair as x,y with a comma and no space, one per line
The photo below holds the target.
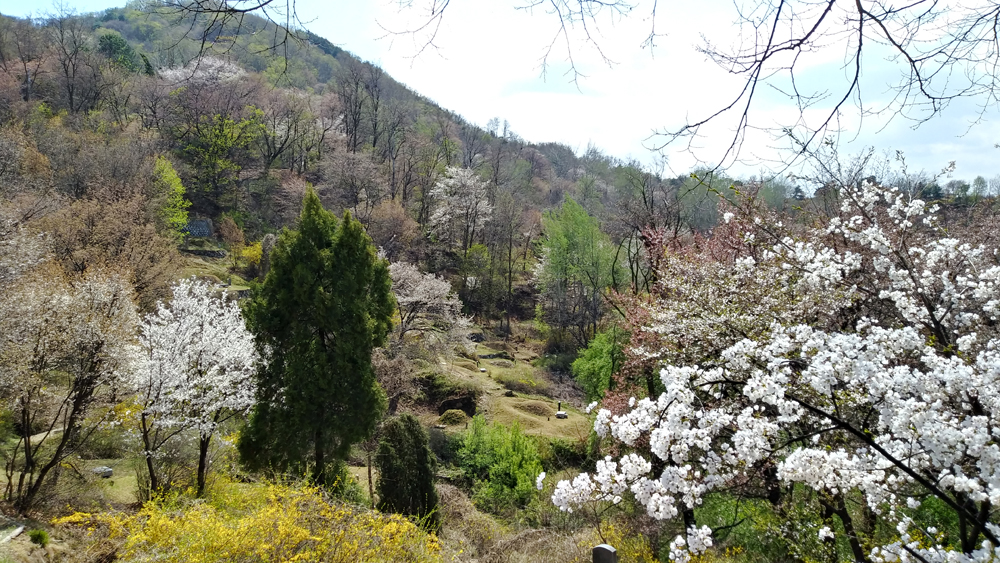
277,290
247,126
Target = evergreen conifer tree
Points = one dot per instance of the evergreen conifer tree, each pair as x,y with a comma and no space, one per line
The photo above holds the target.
325,304
406,471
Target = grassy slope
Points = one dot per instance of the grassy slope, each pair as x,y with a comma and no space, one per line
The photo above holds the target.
534,403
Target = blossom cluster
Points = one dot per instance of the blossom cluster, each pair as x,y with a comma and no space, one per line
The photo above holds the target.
198,359
865,359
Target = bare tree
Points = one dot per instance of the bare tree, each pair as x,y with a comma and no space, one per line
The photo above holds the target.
71,40
29,49
473,143
374,85
350,93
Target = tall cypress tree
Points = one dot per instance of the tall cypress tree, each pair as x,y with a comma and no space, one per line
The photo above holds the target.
325,304
406,471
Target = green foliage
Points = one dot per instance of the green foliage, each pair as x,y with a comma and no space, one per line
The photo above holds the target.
578,265
7,429
501,463
452,417
118,51
39,537
213,147
168,196
325,304
933,512
444,445
406,471
599,361
561,453
753,538
147,67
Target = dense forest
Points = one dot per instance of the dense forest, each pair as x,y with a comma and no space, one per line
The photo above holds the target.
288,299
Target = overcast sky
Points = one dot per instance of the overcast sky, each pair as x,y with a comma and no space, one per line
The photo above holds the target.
486,64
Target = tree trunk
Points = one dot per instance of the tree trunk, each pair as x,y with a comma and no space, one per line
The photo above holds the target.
840,509
203,444
319,470
371,491
154,480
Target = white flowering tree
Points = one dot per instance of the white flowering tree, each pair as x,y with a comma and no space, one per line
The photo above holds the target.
890,393
65,344
427,304
196,374
462,207
19,251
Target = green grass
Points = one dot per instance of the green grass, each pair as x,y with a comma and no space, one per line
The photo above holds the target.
533,415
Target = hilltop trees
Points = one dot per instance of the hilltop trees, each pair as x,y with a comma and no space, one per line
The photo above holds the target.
325,305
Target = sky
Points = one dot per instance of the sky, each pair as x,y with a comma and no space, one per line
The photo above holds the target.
485,63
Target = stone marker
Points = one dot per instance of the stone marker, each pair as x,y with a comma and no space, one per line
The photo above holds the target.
103,471
604,553
13,534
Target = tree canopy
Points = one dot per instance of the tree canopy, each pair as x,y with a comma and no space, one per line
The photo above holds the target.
325,304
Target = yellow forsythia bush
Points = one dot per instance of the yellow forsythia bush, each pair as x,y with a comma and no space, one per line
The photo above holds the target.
245,523
253,253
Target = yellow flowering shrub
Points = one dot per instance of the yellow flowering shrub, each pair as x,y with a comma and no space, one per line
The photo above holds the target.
245,523
252,253
631,546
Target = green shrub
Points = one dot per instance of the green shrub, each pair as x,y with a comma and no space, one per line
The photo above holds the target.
452,417
436,386
599,361
444,446
566,453
39,537
501,464
406,471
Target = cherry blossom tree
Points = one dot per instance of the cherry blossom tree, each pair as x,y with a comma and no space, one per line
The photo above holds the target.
197,371
883,388
65,344
462,207
427,305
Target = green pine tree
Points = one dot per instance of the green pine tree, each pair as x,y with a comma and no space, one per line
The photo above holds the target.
325,304
406,471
